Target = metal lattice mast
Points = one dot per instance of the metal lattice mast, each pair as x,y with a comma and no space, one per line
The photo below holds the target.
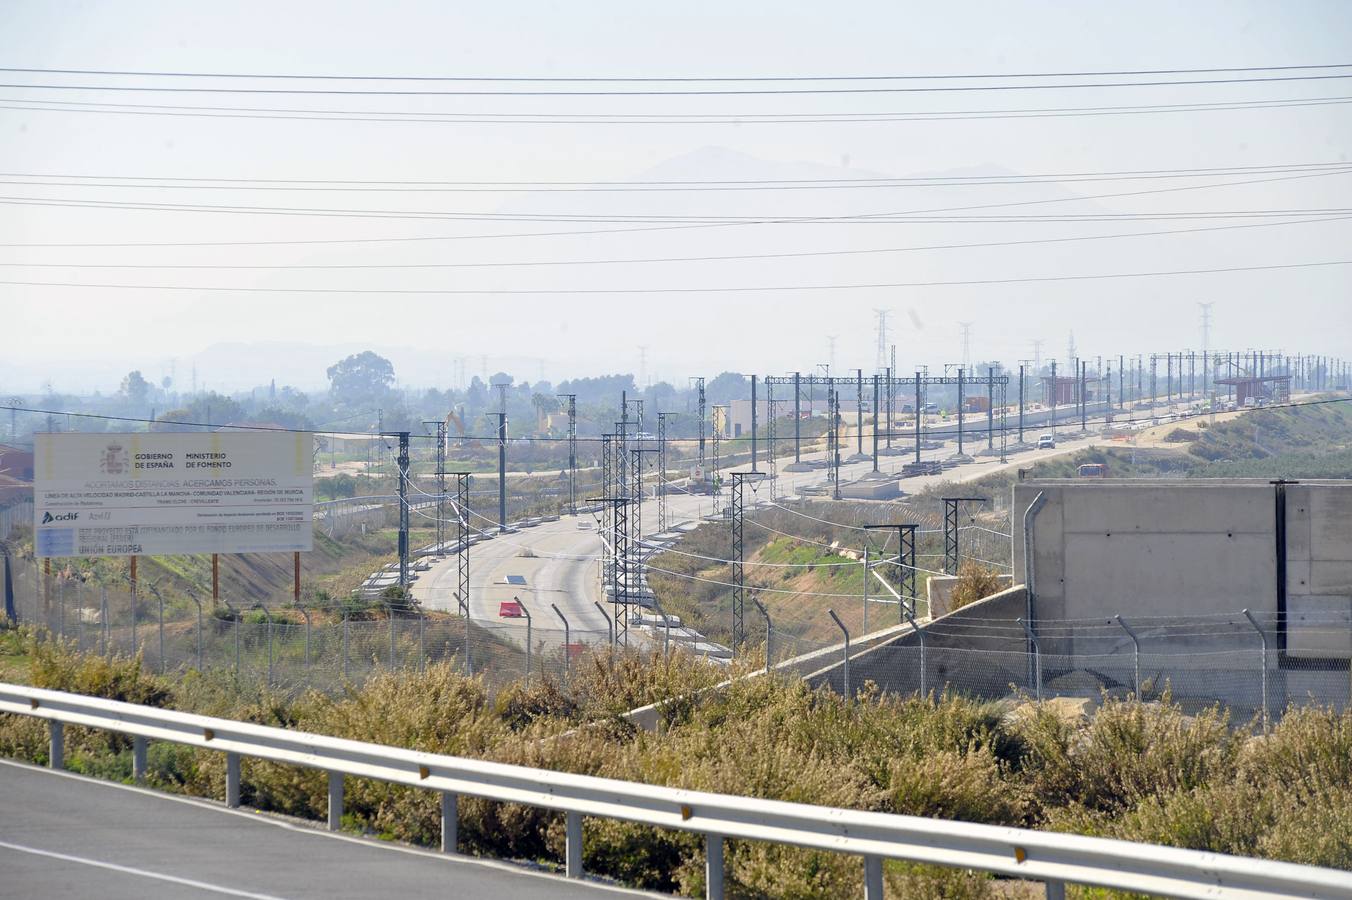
441,485
662,472
891,403
402,462
462,544
718,446
572,451
607,509
771,468
905,564
738,560
952,555
699,389
835,441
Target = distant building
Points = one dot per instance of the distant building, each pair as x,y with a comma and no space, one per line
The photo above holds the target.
16,463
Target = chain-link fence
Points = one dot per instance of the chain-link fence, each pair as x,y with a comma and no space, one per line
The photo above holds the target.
295,646
1249,663
1255,665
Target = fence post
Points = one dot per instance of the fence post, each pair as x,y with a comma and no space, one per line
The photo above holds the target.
567,664
866,571
61,630
768,632
232,780
873,878
573,847
1262,636
422,642
389,607
345,645
159,598
1037,658
846,632
450,822
198,604
1135,654
306,613
915,626
713,866
526,613
666,625
610,626
103,619
234,618
1056,890
335,801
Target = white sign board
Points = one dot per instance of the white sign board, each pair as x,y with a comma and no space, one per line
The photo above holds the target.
172,492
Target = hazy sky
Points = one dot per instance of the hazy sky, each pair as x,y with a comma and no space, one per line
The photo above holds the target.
77,335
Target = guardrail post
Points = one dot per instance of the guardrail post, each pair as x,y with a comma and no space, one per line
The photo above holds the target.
873,878
232,780
1056,890
846,632
573,847
56,754
335,801
450,822
713,866
138,759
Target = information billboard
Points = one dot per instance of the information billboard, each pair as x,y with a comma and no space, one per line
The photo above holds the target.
159,493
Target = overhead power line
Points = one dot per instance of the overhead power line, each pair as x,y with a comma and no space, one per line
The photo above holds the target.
667,259
545,292
706,221
681,92
926,181
662,79
647,118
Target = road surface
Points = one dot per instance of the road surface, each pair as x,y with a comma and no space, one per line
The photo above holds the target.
63,835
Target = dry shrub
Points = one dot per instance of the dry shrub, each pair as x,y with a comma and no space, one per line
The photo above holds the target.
1128,752
975,582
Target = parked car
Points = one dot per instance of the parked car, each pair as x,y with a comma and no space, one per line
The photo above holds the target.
1046,442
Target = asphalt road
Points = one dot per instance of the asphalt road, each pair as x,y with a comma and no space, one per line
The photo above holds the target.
62,835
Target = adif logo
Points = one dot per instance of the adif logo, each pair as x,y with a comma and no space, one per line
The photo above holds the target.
48,518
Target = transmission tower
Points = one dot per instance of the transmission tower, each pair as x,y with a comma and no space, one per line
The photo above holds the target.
830,353
1206,326
642,367
1037,359
966,345
880,362
1070,353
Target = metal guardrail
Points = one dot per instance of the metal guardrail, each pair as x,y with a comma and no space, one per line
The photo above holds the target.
1055,859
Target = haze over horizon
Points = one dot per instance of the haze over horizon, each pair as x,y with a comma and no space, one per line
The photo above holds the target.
433,271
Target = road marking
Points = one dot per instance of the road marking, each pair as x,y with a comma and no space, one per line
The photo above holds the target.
142,873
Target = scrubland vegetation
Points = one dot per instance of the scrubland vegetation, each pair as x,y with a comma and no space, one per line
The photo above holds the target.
1143,771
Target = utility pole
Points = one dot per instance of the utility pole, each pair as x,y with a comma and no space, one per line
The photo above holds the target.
1023,363
572,451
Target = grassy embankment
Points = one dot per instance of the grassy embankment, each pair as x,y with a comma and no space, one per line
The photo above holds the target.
1138,771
